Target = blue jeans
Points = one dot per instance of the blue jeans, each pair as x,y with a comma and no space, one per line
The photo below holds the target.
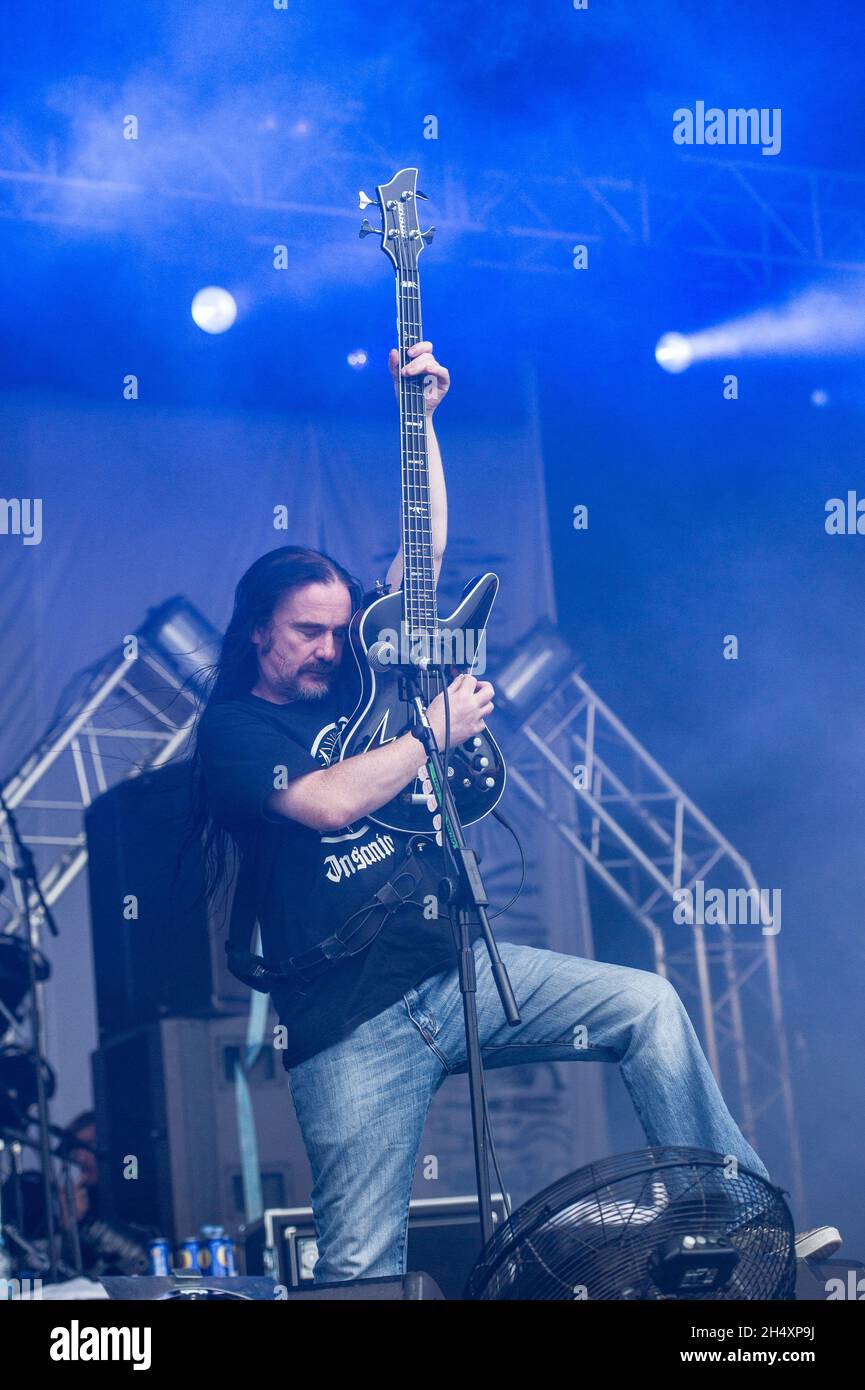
362,1103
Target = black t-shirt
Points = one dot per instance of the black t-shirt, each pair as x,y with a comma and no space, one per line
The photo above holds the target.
307,884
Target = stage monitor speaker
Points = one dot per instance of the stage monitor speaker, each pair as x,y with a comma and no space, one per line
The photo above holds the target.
158,949
165,1098
153,1286
414,1287
444,1237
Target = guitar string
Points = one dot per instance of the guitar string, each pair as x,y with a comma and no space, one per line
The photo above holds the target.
412,528
429,616
415,500
417,523
408,605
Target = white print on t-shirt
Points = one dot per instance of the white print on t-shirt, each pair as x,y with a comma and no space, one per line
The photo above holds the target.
361,857
327,740
345,835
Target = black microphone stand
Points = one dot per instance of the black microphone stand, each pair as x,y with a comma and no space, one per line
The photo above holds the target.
29,879
67,1144
12,1227
463,890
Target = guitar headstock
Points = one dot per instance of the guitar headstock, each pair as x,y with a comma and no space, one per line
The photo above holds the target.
401,237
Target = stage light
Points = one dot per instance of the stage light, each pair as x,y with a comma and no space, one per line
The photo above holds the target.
214,309
819,396
185,639
542,662
673,352
814,323
357,359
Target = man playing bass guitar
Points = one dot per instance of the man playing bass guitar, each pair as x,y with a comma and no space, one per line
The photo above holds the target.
366,987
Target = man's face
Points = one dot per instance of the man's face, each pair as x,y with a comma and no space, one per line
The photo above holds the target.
300,651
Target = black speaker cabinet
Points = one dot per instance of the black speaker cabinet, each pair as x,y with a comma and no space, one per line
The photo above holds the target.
158,950
166,1121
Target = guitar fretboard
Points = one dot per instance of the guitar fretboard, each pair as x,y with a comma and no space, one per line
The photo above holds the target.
419,588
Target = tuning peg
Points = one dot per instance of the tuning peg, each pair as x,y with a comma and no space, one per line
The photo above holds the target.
366,227
428,236
363,200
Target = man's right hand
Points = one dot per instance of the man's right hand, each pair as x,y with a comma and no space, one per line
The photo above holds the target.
470,702
333,797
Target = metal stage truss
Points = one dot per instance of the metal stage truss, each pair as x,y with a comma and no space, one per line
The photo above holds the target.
626,820
763,219
134,714
644,838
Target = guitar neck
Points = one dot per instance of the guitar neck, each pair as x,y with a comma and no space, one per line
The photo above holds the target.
419,587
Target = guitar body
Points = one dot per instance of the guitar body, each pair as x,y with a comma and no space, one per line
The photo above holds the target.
478,777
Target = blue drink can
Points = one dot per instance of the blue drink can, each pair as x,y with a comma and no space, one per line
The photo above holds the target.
159,1256
220,1252
189,1256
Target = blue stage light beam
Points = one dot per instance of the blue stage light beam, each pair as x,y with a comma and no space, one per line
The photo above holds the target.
816,323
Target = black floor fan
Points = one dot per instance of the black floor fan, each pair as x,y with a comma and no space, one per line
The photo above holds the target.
661,1223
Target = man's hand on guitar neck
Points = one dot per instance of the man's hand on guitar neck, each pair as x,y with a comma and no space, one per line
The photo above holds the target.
437,386
423,363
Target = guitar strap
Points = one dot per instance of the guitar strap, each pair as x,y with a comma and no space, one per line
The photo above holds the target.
352,937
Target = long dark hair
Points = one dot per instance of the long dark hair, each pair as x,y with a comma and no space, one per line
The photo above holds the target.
255,599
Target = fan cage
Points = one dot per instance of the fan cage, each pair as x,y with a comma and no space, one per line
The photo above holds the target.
615,1229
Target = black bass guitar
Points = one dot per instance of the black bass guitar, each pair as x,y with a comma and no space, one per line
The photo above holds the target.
407,620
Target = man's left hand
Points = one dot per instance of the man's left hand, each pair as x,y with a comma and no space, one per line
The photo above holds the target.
437,379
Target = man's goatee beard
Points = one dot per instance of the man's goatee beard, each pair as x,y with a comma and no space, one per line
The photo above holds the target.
304,693
298,691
